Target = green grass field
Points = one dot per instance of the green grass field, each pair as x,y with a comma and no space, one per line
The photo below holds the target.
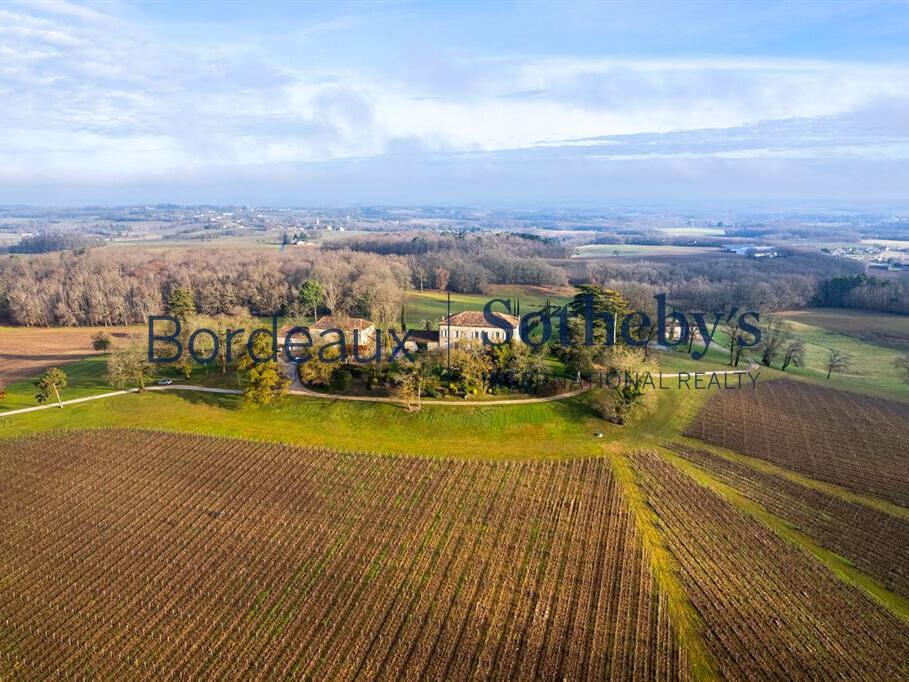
556,429
87,377
432,305
84,378
882,329
717,359
871,364
536,431
870,339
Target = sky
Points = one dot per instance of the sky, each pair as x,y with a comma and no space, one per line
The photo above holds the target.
469,103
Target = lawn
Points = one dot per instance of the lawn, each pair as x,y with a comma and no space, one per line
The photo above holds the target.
870,339
432,305
543,430
84,378
717,359
551,430
556,429
87,377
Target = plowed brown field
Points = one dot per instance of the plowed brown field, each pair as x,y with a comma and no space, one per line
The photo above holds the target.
27,351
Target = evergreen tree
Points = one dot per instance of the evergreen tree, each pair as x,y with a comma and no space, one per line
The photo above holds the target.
101,341
181,304
312,295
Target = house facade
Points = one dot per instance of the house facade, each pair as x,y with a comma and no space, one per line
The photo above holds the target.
469,326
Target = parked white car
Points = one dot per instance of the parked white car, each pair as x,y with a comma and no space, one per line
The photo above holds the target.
165,382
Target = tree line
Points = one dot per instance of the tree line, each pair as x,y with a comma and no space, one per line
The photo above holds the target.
95,288
468,263
47,242
718,281
864,292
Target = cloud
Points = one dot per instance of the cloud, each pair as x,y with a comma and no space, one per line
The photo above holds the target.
105,98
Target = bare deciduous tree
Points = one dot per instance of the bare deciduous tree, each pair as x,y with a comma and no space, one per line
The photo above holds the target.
836,361
794,355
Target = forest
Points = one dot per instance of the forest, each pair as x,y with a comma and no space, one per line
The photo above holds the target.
369,277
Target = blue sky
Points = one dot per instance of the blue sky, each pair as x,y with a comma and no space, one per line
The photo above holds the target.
487,103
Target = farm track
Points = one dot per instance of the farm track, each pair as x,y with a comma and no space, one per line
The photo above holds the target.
876,542
858,442
769,610
299,390
140,555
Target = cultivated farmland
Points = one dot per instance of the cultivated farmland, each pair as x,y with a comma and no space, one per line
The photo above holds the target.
27,351
768,610
129,554
858,442
877,542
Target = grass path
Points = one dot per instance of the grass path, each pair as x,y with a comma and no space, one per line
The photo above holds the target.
542,431
300,390
685,618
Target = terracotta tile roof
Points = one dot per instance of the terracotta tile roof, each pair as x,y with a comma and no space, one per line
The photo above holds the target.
342,322
474,318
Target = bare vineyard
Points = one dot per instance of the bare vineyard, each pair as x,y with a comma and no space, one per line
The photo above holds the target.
858,442
768,610
129,555
876,542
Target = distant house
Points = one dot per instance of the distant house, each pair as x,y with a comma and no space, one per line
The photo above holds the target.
754,251
470,325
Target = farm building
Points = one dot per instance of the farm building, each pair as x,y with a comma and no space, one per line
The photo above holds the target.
365,330
470,325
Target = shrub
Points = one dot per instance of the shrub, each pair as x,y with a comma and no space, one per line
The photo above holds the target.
340,379
101,341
